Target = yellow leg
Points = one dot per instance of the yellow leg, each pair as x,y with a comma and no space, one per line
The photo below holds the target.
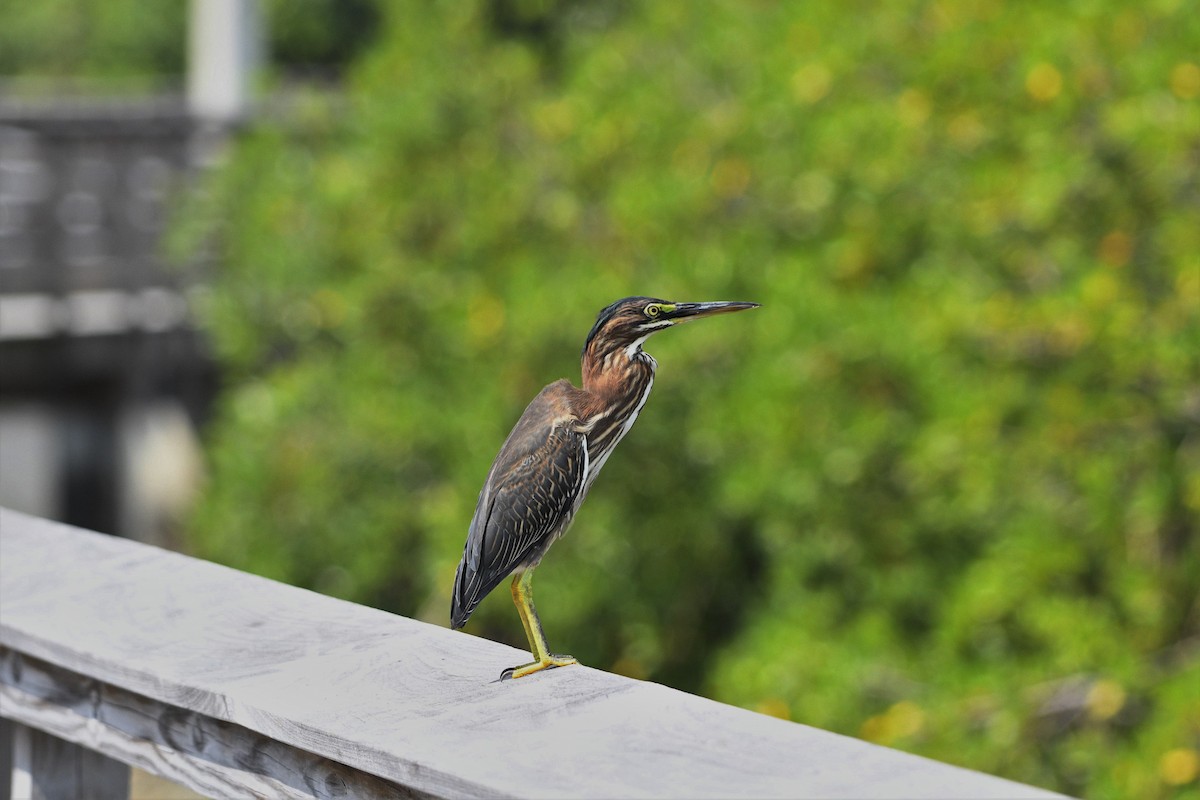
522,593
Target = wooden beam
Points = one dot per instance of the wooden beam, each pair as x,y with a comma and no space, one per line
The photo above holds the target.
209,756
412,704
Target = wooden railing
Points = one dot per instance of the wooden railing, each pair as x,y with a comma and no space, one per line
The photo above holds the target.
114,653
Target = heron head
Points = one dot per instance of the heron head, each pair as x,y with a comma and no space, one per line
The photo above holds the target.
627,323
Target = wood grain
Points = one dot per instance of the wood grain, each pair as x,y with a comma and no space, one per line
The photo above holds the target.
413,704
215,758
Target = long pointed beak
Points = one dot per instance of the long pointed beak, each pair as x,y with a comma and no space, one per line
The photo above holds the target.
686,312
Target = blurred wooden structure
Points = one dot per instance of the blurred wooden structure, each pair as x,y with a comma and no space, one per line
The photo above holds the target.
85,192
113,652
96,328
98,350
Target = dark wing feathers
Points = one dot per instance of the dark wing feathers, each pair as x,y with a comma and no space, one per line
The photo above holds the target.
529,497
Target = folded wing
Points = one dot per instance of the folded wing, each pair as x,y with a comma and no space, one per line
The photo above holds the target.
528,500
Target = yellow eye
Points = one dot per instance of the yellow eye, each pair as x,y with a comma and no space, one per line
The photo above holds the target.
652,311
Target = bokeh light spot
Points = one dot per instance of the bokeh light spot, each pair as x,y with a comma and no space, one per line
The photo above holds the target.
485,317
913,107
1179,766
1185,80
1105,699
1044,82
811,83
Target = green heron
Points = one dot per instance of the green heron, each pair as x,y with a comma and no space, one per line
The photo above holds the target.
553,455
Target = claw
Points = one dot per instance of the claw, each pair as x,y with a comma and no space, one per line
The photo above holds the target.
550,662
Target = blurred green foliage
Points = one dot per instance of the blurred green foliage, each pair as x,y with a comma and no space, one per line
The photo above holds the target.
941,492
123,45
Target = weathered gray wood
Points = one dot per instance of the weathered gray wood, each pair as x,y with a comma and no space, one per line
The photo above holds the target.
412,703
215,758
48,768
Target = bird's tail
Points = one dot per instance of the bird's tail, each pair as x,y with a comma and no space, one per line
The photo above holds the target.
462,604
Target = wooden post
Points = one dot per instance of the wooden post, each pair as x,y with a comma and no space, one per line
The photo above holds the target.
45,767
6,758
224,53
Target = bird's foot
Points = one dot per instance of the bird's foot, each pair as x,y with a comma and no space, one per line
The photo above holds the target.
550,662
